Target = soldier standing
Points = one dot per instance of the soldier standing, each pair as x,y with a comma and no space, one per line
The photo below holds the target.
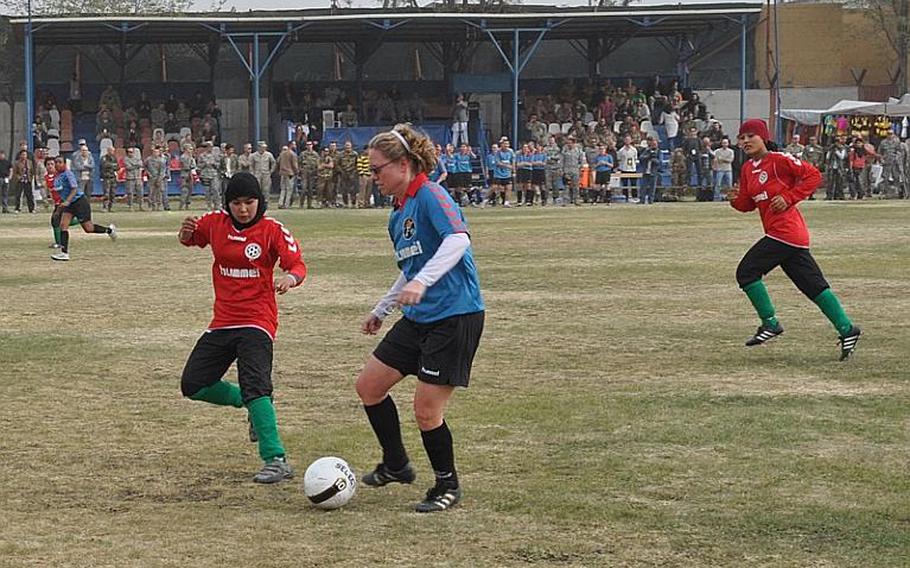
109,167
347,177
245,159
187,171
132,163
83,165
794,148
208,163
262,165
336,173
679,171
552,171
156,166
228,165
892,152
573,158
287,171
307,163
837,166
324,173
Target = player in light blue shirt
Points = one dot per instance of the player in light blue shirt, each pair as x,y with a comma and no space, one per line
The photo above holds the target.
74,204
438,292
503,166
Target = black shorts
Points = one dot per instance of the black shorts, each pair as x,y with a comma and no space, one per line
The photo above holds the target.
538,177
80,208
455,180
797,263
439,353
502,181
217,349
602,178
523,176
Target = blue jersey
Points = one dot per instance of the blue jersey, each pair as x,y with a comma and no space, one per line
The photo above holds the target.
65,184
463,163
540,160
501,169
417,228
603,163
440,169
450,163
523,161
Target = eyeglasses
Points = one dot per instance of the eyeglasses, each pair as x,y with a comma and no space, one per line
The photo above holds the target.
376,169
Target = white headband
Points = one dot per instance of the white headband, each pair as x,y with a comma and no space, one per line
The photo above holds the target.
401,138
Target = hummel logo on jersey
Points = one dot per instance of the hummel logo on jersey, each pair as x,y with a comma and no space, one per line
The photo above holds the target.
239,272
236,238
760,197
408,251
426,371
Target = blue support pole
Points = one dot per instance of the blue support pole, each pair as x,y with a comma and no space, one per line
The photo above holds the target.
778,122
256,77
516,71
29,83
742,70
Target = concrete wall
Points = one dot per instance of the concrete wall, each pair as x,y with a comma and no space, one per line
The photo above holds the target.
724,105
7,143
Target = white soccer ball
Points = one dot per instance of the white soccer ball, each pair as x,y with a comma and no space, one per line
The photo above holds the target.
329,483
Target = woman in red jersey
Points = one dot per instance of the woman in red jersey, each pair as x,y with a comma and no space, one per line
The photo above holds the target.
775,183
246,246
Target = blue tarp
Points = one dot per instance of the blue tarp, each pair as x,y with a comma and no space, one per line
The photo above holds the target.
360,136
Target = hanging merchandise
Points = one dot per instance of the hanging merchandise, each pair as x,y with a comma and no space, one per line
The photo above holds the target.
882,126
843,125
861,126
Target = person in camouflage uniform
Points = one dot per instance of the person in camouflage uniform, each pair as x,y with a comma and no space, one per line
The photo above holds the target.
553,171
837,168
347,179
133,165
794,148
325,173
262,165
187,171
892,152
109,167
573,158
245,159
814,154
336,174
228,165
307,162
208,162
156,167
679,172
83,166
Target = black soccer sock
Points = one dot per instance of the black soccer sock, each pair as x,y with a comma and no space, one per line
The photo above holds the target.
384,420
438,444
64,241
101,229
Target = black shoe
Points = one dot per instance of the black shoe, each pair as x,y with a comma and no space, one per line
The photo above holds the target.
848,342
254,437
382,475
764,334
441,497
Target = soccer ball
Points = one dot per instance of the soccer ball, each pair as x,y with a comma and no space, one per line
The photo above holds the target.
329,482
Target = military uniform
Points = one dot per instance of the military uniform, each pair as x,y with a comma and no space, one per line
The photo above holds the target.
109,167
837,169
262,164
679,171
244,162
187,170
82,167
133,164
815,155
157,172
552,172
892,152
795,150
208,164
324,173
307,163
347,176
572,161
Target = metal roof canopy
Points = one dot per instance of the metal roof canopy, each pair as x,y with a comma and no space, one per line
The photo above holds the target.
373,26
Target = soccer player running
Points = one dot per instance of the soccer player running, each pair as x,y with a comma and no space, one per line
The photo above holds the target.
775,183
439,295
73,205
245,246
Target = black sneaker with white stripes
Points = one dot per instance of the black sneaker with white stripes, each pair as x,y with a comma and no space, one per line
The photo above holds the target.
441,497
848,342
382,475
763,334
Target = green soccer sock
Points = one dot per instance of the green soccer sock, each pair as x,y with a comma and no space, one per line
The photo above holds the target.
831,307
221,393
262,414
56,235
761,301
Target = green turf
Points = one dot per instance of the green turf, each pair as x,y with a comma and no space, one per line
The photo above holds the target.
614,417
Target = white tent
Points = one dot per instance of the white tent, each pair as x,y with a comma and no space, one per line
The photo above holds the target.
812,117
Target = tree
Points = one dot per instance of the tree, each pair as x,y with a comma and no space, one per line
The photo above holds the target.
107,7
892,19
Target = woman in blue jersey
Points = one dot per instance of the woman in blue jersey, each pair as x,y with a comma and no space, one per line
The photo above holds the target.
443,313
74,204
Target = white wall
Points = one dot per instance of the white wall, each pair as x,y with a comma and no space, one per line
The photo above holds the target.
724,105
4,126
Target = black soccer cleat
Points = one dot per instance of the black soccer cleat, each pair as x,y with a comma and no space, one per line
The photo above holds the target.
441,497
848,342
764,334
382,475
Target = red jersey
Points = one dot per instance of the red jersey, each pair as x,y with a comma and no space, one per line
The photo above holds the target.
242,271
49,184
784,175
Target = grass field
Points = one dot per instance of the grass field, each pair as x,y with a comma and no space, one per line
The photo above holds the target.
614,417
